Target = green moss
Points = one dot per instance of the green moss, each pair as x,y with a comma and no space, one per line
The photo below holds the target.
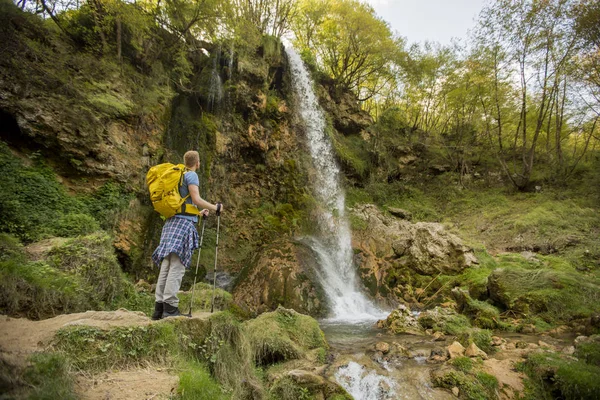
457,325
286,389
554,295
76,225
553,375
479,386
283,335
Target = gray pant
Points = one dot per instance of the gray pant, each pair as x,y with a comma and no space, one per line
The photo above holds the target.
169,280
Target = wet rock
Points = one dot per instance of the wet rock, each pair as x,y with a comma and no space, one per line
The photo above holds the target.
437,356
383,347
438,336
305,378
569,350
545,345
580,339
401,320
282,275
436,318
402,350
498,341
529,328
455,350
474,351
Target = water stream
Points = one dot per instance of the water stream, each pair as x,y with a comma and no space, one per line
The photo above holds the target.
333,242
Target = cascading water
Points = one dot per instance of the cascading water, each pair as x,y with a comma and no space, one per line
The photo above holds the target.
215,89
333,244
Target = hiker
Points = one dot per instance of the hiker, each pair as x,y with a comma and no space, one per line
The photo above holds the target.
178,240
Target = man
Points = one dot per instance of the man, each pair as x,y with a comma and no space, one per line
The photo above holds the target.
178,240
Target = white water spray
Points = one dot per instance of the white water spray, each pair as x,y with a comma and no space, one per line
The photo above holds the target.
365,385
333,246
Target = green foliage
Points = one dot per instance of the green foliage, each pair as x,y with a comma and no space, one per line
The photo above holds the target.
589,352
48,377
352,155
93,259
33,199
195,383
203,293
464,364
76,225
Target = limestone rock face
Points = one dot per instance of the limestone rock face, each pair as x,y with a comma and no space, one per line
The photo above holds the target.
282,275
390,247
348,118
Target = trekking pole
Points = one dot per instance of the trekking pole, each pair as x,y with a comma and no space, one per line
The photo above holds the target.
197,263
212,303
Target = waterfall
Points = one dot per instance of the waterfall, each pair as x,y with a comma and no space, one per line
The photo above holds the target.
215,90
365,385
333,243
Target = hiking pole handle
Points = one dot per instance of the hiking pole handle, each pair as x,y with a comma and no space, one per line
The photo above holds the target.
219,207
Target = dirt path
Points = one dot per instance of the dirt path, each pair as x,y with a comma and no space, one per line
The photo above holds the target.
137,384
20,337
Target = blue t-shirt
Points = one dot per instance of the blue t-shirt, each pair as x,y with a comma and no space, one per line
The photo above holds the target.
190,178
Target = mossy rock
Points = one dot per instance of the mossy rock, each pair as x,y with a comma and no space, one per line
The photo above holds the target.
557,296
283,335
473,384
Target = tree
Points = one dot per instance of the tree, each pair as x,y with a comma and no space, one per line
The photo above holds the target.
351,44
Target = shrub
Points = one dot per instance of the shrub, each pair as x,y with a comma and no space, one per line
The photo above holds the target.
76,225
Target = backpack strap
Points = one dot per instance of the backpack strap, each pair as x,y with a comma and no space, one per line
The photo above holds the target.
186,208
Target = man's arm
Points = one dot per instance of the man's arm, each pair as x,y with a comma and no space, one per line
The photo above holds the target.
199,201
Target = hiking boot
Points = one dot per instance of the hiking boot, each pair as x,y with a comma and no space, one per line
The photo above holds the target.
158,311
170,311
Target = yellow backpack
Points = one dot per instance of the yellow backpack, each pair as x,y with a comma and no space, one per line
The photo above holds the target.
163,182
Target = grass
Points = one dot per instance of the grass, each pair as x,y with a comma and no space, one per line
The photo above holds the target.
473,385
196,383
48,377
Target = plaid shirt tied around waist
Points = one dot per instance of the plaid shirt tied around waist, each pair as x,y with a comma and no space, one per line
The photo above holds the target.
178,236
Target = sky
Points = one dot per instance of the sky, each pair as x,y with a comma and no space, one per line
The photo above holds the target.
433,20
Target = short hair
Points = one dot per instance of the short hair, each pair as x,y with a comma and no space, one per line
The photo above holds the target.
190,158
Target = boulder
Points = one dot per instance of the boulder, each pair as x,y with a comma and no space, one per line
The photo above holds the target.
401,320
382,347
455,350
390,251
282,275
474,351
